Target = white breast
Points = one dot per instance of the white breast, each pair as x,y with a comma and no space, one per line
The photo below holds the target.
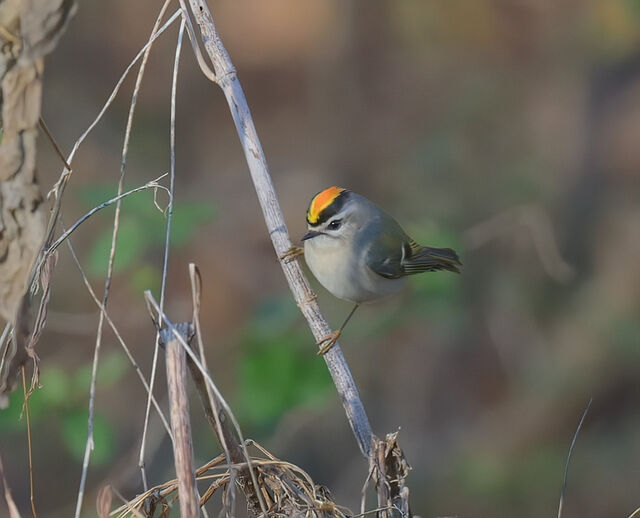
345,275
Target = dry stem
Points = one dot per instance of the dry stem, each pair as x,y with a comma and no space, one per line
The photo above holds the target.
233,448
107,282
214,412
180,424
227,80
143,442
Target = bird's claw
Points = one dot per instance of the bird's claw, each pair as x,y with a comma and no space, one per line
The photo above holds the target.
291,254
328,342
311,297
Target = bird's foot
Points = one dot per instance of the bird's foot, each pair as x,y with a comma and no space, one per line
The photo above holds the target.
311,297
291,254
328,342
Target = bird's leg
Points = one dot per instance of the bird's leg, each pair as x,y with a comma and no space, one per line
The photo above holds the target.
291,254
327,343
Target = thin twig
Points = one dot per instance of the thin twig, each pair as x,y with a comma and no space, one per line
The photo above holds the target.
377,510
213,410
566,466
154,364
231,445
135,512
226,78
60,185
288,489
107,281
123,164
116,332
153,184
202,63
6,332
56,148
124,75
29,443
168,487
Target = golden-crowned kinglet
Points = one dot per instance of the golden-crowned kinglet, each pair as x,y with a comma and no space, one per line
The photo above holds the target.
360,253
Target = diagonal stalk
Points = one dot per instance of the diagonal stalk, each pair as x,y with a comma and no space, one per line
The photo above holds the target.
227,79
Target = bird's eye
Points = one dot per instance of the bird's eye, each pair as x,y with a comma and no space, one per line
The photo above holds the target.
335,224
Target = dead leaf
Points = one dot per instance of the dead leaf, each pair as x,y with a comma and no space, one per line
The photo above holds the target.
103,502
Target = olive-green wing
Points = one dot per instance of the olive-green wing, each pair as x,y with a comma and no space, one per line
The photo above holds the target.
390,246
392,253
427,259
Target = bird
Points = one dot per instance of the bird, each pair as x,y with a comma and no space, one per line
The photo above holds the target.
361,254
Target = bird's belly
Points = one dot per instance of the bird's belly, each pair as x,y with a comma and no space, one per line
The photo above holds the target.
345,276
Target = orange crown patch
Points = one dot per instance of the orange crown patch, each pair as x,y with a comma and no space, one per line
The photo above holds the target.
321,201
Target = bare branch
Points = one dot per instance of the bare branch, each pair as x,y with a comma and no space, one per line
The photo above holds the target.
226,78
54,144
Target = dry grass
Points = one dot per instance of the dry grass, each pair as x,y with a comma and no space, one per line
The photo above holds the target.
286,488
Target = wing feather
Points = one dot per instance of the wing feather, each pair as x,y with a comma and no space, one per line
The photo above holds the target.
395,254
428,259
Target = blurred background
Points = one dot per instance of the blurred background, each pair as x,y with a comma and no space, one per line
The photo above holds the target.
507,130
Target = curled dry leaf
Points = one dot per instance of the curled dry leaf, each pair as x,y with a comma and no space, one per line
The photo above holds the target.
390,470
103,502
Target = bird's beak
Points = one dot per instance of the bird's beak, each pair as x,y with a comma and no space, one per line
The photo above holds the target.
311,234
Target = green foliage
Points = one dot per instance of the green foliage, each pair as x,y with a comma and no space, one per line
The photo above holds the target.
56,387
279,370
132,242
112,369
61,403
74,436
142,229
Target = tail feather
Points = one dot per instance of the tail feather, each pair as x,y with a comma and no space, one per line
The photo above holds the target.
427,259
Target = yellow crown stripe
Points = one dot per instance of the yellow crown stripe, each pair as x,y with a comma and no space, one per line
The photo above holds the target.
321,201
